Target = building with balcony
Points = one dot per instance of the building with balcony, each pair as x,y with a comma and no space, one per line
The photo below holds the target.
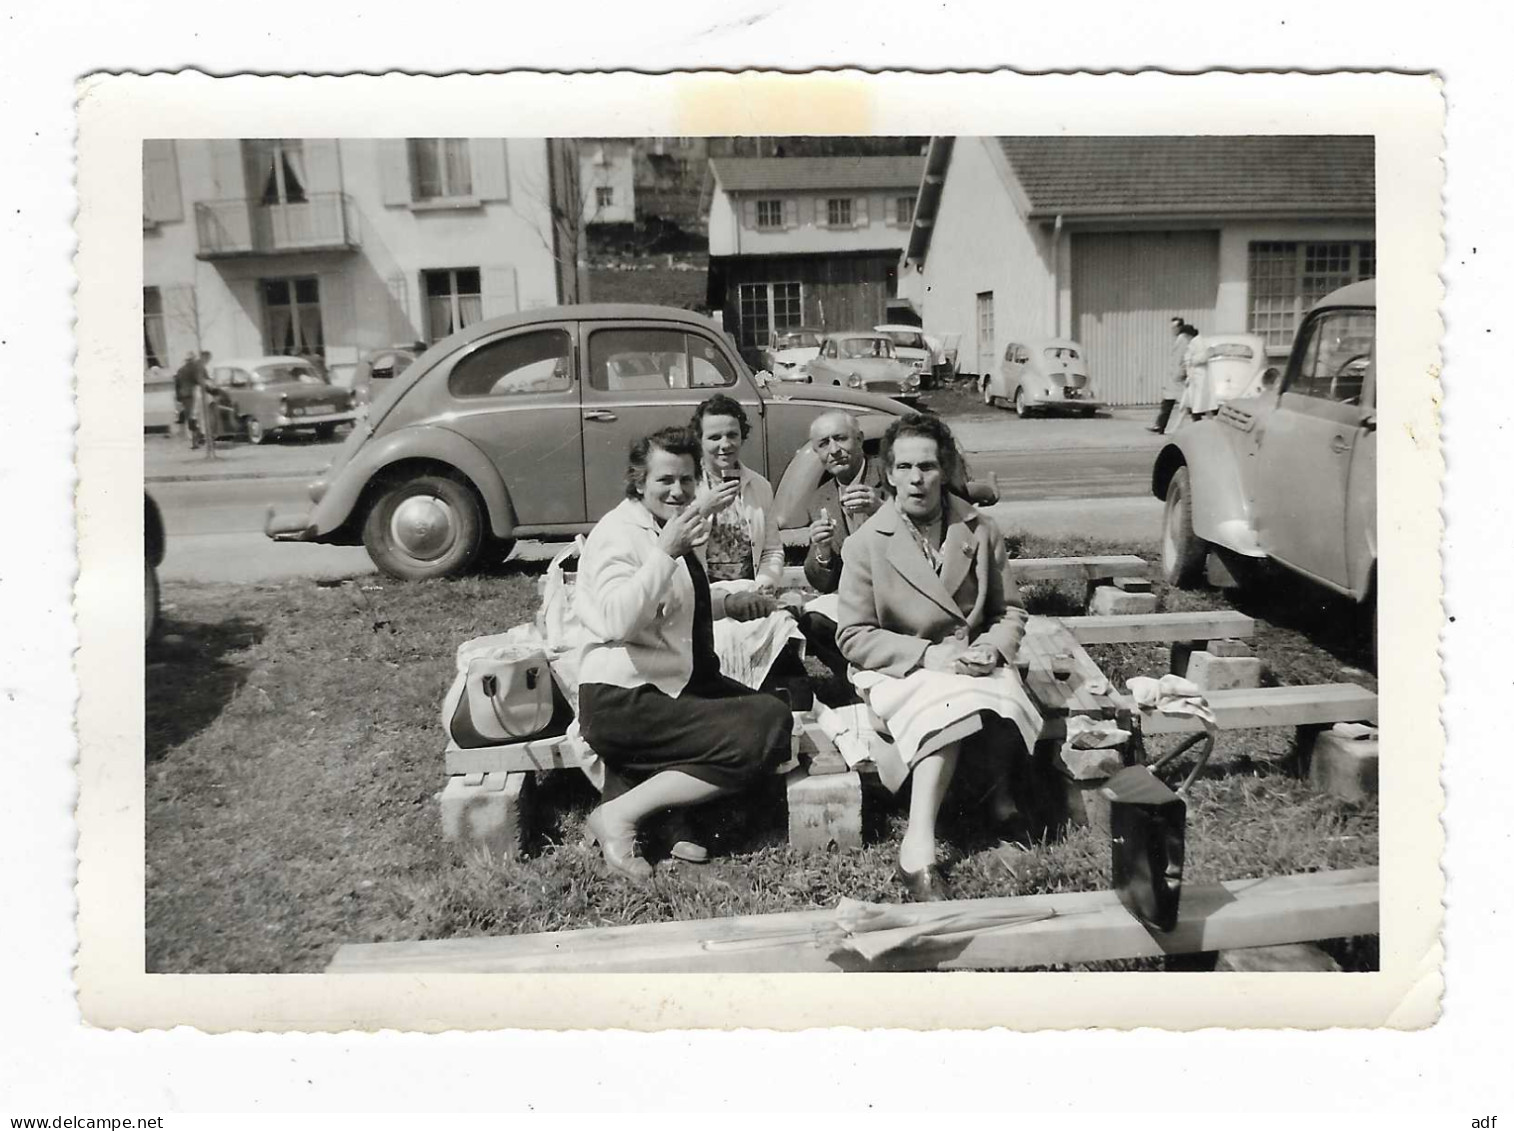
807,241
1104,239
328,247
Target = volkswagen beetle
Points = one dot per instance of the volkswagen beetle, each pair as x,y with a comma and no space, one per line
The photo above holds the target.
1288,474
1050,375
520,426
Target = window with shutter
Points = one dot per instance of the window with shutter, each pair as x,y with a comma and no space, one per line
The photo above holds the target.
838,212
770,214
454,300
441,168
161,200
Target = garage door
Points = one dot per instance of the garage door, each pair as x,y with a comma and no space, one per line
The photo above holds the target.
1125,287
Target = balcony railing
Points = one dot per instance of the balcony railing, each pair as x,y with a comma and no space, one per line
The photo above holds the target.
324,222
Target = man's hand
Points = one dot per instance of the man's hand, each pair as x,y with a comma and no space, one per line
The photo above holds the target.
859,497
748,605
821,532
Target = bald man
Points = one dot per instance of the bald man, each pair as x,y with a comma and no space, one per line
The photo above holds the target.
846,498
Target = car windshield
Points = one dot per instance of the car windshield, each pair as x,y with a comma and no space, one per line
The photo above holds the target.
909,339
1229,349
1061,353
802,339
278,372
866,347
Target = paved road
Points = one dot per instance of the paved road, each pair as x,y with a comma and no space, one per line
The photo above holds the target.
215,527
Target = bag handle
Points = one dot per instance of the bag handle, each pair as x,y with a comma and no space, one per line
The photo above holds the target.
490,686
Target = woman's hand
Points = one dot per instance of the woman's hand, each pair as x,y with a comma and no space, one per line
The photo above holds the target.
712,502
748,605
683,532
943,657
980,659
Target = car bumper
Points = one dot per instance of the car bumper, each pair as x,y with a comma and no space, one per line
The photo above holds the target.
1080,403
289,526
282,421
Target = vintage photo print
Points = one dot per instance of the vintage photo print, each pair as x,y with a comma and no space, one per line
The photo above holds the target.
968,536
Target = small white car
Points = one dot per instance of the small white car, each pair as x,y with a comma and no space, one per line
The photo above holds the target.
912,348
788,356
1043,375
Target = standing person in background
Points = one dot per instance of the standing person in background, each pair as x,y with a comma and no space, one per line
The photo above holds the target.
1183,336
185,382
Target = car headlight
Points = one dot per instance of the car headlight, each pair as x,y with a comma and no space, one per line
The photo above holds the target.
913,381
854,381
917,363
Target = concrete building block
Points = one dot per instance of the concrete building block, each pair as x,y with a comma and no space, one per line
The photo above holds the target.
1300,957
1087,804
1228,649
1343,767
1109,601
825,810
1223,673
490,811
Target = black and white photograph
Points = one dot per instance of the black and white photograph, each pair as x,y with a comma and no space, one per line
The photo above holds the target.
692,553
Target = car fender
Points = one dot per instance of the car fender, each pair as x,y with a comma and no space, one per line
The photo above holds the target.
1221,510
425,443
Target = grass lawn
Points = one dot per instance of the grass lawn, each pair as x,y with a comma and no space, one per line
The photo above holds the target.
294,753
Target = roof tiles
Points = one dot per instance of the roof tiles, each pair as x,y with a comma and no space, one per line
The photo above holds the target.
770,174
1125,176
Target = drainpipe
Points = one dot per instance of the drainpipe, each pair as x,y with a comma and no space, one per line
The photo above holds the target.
1056,277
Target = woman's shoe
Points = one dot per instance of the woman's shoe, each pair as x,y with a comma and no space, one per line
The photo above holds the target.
680,836
925,886
620,851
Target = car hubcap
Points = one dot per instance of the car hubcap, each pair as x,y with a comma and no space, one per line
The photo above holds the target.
424,526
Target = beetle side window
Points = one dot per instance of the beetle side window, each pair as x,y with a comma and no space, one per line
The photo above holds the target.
536,362
648,360
1336,355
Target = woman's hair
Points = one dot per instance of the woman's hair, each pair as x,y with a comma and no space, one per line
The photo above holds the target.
674,439
929,426
719,405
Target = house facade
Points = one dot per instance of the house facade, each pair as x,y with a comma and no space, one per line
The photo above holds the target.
607,175
1104,239
326,247
807,241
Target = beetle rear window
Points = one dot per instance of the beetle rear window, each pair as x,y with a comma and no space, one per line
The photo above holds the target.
646,360
535,362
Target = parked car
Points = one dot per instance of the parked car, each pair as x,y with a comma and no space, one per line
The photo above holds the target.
865,360
519,427
788,356
913,348
1047,375
263,397
1229,367
1289,474
155,544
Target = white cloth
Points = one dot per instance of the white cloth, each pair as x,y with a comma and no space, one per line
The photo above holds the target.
926,710
1171,695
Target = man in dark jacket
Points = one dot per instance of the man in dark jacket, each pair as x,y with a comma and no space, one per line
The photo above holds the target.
191,386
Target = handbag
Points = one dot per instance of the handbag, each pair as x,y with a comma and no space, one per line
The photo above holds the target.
1148,829
502,694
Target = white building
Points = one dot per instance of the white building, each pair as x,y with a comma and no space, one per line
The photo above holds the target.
1103,239
328,247
607,170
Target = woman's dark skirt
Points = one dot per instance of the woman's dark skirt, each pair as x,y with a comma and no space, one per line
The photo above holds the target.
716,730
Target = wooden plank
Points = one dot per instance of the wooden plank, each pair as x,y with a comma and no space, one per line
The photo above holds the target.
1077,569
1308,705
518,757
1083,927
1160,627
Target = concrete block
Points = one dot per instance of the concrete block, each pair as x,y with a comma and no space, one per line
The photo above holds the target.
1087,805
1228,649
1223,673
490,811
1302,957
1181,652
1343,767
824,810
1109,601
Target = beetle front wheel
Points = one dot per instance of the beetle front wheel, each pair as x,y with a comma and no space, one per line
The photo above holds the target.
429,526
1183,551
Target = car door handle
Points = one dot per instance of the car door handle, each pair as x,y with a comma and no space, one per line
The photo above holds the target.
599,414
1339,444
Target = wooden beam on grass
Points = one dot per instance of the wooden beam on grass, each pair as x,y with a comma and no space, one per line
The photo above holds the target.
1077,569
1083,927
1160,628
1314,704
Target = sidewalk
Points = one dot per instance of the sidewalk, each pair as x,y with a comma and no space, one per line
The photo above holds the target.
168,459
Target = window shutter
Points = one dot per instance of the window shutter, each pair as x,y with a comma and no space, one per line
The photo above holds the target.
338,321
859,212
499,291
161,199
790,213
491,171
822,212
806,210
394,170
891,211
323,165
226,169
748,213
402,327
180,317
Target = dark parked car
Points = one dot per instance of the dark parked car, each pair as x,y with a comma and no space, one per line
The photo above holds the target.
263,397
155,545
519,427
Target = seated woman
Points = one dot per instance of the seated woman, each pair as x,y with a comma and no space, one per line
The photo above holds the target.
651,700
926,616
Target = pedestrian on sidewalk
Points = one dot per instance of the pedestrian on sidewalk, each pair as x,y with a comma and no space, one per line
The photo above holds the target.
1183,336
